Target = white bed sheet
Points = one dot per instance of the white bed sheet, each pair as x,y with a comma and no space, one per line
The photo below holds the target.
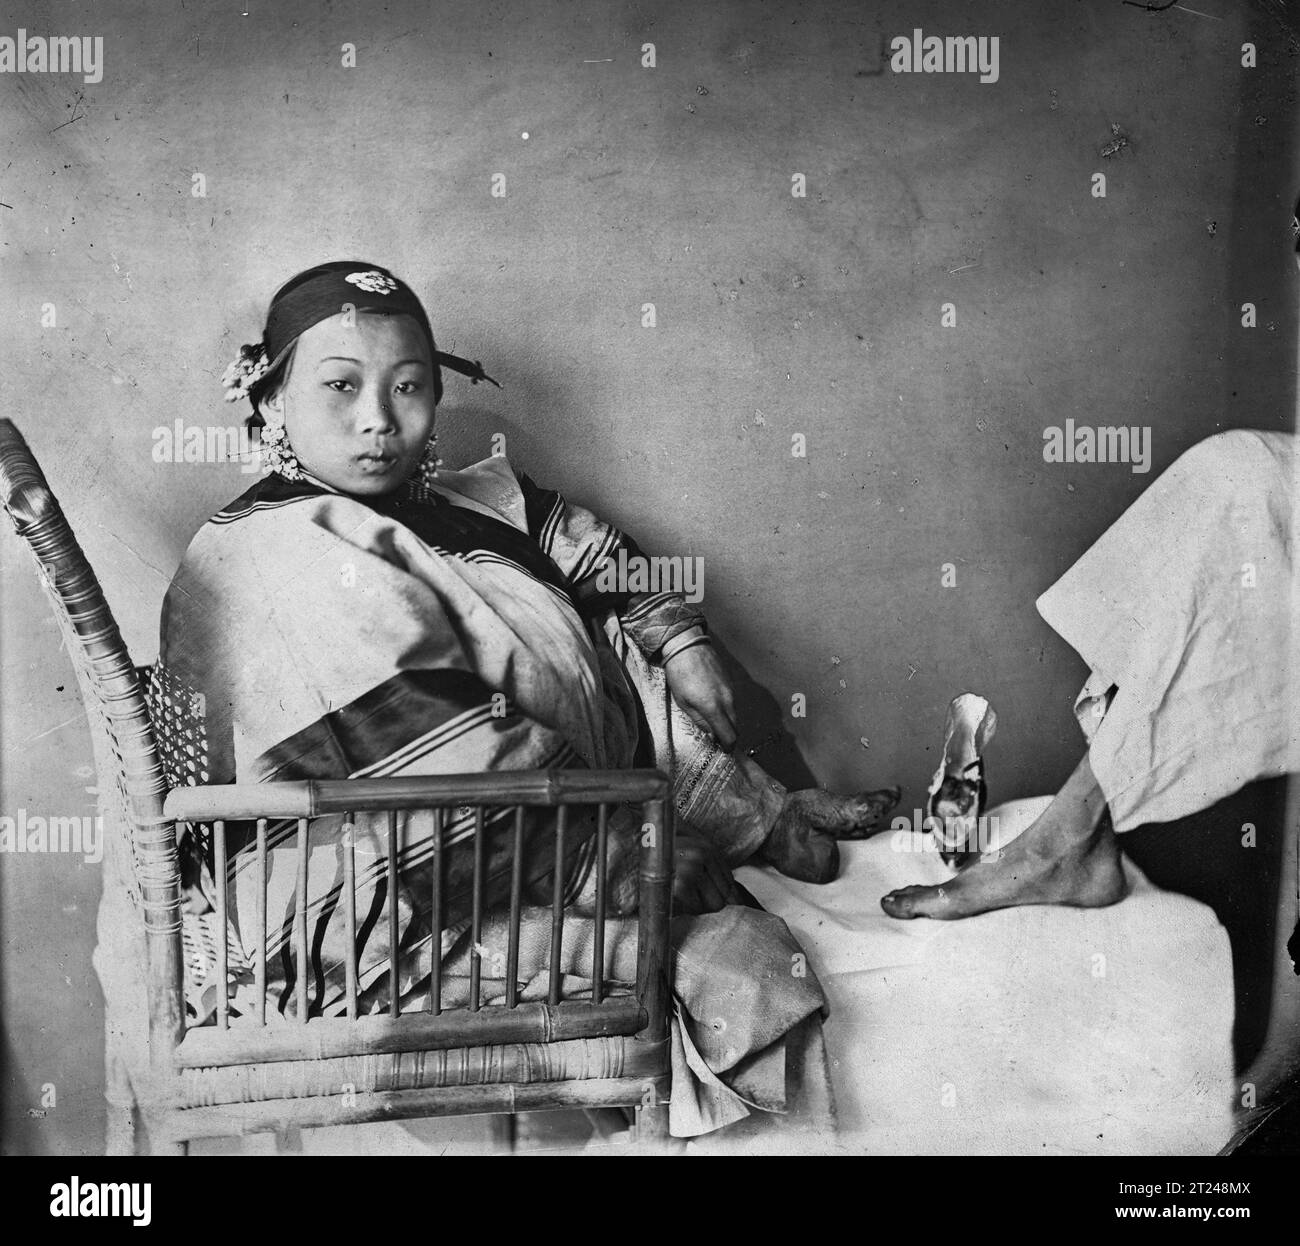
1036,1030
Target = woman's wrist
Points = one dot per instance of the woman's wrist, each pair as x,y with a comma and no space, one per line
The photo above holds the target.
689,639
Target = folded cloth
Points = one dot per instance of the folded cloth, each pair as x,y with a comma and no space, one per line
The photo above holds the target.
741,985
1186,606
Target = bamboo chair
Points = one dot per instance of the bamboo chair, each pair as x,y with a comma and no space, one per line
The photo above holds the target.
239,1075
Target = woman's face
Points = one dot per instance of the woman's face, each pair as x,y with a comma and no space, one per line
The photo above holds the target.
358,404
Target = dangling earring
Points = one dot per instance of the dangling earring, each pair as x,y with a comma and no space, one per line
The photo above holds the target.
279,455
427,469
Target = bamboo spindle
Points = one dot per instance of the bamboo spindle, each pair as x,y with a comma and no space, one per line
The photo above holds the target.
598,944
259,970
557,905
435,917
300,917
393,1000
476,917
223,916
516,910
656,893
350,912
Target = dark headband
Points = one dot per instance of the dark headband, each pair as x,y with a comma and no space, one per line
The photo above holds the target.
331,289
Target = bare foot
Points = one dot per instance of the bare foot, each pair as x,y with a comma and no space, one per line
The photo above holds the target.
1068,856
1087,875
802,843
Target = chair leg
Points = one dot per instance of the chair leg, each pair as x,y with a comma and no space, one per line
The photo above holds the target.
169,1148
156,1142
119,1131
120,1126
503,1128
651,1128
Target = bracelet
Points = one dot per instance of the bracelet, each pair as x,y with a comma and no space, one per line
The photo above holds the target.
666,654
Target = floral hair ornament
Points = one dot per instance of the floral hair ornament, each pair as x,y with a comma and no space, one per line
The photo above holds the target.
373,282
245,370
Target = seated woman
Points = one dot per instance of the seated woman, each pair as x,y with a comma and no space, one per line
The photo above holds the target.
360,612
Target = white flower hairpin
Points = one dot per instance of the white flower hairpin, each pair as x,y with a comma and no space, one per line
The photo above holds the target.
373,282
245,370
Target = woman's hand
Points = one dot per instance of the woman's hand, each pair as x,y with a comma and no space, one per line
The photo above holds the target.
701,883
701,687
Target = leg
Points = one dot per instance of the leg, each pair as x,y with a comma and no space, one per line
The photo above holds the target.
745,813
503,1130
803,840
1068,856
650,1132
160,1147
120,1133
735,804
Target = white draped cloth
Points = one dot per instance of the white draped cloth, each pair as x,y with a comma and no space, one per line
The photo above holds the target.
1187,605
1040,1030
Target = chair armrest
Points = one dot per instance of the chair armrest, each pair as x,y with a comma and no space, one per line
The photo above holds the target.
310,798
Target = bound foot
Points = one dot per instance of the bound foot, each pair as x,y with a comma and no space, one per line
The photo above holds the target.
1068,856
803,842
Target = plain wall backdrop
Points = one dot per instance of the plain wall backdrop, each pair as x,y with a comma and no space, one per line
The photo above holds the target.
776,316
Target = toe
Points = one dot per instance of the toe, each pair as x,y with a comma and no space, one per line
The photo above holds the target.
909,902
898,904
